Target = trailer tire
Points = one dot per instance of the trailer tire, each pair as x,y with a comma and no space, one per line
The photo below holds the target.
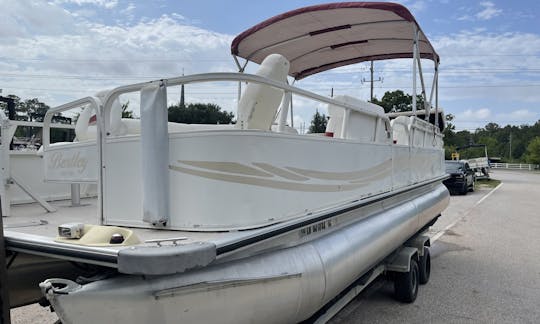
424,267
406,284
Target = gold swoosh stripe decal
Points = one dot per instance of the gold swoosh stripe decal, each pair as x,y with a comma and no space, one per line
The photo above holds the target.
351,175
375,176
269,183
228,167
280,172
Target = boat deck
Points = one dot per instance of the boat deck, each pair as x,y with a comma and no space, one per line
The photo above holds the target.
32,230
33,219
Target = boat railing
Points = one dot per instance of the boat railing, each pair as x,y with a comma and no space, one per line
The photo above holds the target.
154,130
80,103
421,132
73,164
236,77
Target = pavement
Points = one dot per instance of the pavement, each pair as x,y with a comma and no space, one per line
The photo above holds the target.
485,264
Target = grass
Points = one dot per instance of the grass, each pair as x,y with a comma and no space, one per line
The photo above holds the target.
487,183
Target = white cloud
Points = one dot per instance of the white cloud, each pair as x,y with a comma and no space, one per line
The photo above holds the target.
108,4
489,60
472,119
128,12
58,56
415,6
25,19
466,17
489,11
518,116
474,115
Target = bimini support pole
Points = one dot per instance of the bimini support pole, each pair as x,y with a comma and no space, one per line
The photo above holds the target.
433,90
424,96
415,56
437,94
291,107
284,111
433,84
241,69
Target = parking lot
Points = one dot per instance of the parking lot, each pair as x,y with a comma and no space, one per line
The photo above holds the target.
485,264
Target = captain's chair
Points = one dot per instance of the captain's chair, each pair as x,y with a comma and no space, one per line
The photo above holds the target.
259,103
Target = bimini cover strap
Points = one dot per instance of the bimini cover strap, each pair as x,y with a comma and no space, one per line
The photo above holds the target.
155,154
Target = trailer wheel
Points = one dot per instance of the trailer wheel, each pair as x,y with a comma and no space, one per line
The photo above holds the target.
424,267
406,284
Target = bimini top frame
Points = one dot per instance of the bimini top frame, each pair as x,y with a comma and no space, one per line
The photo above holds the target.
322,37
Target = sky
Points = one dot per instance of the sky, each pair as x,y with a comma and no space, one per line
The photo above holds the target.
61,50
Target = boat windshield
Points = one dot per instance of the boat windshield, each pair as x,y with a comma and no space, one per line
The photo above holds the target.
453,166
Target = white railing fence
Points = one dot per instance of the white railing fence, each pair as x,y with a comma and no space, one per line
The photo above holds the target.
515,166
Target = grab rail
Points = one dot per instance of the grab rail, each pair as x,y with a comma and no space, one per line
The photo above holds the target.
92,101
228,76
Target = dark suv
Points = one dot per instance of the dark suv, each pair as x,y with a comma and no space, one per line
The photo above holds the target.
461,177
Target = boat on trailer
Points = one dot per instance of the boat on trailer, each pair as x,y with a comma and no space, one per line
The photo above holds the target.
250,222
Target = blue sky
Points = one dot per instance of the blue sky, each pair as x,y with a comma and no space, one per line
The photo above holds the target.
64,49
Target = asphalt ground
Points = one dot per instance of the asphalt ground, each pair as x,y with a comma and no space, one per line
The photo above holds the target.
485,264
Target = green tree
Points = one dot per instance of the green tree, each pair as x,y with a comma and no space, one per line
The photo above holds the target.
34,110
318,123
125,112
398,101
200,113
533,151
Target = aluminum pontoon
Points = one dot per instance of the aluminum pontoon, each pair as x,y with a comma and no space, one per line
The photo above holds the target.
250,222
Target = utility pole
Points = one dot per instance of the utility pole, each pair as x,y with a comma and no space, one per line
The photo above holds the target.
182,103
371,81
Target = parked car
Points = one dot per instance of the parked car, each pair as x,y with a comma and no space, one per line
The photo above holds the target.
461,179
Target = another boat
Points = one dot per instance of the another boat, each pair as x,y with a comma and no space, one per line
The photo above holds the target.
250,222
22,172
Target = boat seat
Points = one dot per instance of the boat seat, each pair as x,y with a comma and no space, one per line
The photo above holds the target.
85,128
400,130
360,126
259,103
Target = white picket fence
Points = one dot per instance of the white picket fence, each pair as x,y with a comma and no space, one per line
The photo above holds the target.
515,166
